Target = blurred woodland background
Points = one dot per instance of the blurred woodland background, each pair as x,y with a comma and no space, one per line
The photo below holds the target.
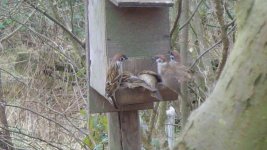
43,87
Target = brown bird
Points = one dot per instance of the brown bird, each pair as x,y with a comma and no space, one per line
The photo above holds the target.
164,69
113,79
174,56
172,74
129,80
152,79
175,62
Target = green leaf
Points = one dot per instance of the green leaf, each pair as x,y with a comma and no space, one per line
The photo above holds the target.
83,112
8,21
81,72
86,141
2,26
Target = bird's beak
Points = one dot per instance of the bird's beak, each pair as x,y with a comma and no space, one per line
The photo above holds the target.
125,57
154,59
169,52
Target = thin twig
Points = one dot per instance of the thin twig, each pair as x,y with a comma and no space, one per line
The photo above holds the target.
177,18
17,29
41,36
37,138
58,23
228,12
38,114
193,14
206,51
16,78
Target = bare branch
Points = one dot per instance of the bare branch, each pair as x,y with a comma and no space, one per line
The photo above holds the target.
177,18
18,28
38,114
213,46
191,17
58,23
13,76
37,138
219,12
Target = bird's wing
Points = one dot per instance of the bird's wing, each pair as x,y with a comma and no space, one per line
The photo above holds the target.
113,80
151,73
131,81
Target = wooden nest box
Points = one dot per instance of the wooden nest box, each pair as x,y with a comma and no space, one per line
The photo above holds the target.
137,28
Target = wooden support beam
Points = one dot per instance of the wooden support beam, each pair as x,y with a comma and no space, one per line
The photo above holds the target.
124,131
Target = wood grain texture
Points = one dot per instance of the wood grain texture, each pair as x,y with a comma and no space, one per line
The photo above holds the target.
137,32
99,104
130,128
98,55
114,131
142,3
124,131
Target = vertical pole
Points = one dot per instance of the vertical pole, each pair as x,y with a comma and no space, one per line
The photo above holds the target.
124,130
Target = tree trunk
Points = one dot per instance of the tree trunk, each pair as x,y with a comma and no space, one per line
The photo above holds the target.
185,108
235,115
5,139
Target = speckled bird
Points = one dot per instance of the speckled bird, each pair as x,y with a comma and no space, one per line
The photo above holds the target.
113,79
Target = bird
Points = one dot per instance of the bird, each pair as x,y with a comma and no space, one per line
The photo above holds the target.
129,80
152,79
164,70
172,73
174,56
175,62
113,79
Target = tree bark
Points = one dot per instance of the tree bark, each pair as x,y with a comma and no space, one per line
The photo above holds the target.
185,108
235,115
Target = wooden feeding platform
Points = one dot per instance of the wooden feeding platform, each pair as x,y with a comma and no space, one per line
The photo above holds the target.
140,30
130,99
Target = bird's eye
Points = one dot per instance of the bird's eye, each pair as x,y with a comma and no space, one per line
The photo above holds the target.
159,60
122,59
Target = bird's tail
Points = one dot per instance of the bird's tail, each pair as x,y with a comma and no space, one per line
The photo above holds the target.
113,102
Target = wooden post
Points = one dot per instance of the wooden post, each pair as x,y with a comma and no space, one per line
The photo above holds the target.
124,131
131,27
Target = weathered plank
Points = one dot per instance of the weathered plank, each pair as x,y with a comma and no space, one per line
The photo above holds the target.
139,96
124,131
143,3
99,104
97,33
138,32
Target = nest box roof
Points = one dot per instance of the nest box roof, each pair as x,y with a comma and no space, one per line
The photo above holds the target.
142,3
